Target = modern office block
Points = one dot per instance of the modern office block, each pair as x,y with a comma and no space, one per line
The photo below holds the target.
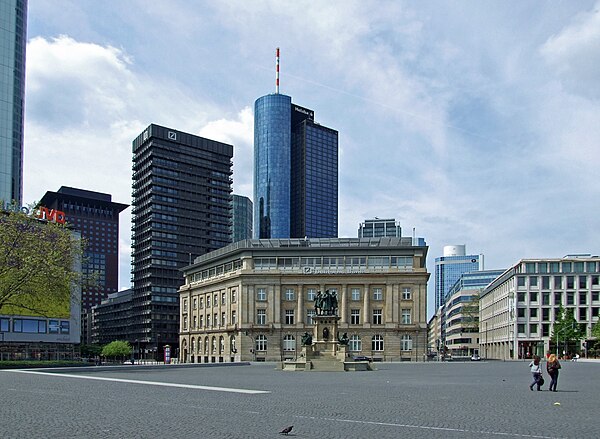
242,218
518,310
181,209
113,318
13,41
376,227
96,217
253,300
295,172
449,267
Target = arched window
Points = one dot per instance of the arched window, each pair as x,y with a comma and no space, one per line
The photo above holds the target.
199,345
377,343
406,343
261,343
221,345
355,344
192,345
205,345
289,343
214,345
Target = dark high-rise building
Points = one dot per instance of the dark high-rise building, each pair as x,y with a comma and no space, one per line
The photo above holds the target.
295,172
13,40
242,218
376,228
96,217
181,210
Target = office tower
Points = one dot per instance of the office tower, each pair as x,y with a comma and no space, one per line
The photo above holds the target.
376,228
449,267
295,172
13,40
242,218
96,217
181,210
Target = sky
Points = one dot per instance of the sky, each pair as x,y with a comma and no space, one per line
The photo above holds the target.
473,122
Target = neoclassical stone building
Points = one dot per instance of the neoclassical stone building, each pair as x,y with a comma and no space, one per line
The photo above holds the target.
253,300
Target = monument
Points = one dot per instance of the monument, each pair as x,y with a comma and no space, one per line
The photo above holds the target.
325,349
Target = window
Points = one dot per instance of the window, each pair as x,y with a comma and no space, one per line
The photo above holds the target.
208,323
533,282
521,328
545,298
582,282
261,343
377,316
406,317
533,312
310,294
222,298
289,343
289,316
520,312
194,322
65,327
261,316
355,294
289,294
377,293
406,294
233,296
355,316
582,313
595,296
406,343
520,281
354,344
377,343
195,303
557,298
215,319
261,294
545,314
208,301
32,326
545,282
223,321
570,298
545,330
310,313
521,297
216,300
533,328
583,298
201,302
201,322
4,325
533,296
233,317
570,282
184,305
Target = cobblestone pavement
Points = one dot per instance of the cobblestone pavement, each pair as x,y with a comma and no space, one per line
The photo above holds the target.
422,400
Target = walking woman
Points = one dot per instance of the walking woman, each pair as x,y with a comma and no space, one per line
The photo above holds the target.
536,371
552,367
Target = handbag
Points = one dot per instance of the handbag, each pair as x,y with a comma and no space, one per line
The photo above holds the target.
541,380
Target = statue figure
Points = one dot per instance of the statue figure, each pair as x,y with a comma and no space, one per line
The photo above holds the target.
344,340
325,333
334,303
319,303
306,339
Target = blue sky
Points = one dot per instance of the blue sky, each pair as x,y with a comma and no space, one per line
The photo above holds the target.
476,123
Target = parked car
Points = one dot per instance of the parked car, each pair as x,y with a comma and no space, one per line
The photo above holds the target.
475,357
361,358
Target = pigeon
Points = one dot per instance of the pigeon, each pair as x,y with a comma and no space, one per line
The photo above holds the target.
286,430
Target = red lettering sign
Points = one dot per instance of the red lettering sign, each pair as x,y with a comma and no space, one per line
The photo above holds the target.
58,216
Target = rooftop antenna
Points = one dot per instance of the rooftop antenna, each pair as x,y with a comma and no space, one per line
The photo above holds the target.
277,71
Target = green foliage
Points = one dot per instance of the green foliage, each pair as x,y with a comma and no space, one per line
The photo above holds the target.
566,327
596,330
36,266
90,350
22,364
117,348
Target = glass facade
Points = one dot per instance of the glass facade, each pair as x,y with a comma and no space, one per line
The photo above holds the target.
242,218
272,149
448,270
13,35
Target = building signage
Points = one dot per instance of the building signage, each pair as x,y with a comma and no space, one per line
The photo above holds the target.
57,216
311,270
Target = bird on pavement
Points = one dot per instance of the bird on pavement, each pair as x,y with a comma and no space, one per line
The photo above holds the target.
286,430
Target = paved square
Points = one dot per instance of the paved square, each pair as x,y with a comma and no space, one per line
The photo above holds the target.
432,400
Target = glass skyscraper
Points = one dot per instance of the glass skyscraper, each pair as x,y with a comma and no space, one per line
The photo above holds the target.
241,227
449,268
13,40
295,172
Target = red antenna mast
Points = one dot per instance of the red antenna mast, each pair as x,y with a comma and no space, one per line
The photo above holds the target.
277,71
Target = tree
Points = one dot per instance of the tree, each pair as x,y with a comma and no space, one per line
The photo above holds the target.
566,328
117,348
596,330
37,266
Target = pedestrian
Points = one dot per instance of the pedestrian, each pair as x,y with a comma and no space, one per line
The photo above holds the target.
536,372
552,367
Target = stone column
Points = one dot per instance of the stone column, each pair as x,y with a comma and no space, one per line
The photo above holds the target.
300,306
344,304
366,303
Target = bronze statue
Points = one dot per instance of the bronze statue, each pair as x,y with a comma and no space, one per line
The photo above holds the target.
325,333
344,340
306,339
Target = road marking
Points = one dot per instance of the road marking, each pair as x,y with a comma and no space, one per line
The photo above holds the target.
426,427
148,383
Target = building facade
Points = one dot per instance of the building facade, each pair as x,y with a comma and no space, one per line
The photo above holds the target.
519,308
181,209
96,217
449,267
13,42
242,218
295,172
253,300
460,332
113,318
375,228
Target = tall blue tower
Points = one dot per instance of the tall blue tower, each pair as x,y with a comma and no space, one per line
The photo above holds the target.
295,171
13,39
